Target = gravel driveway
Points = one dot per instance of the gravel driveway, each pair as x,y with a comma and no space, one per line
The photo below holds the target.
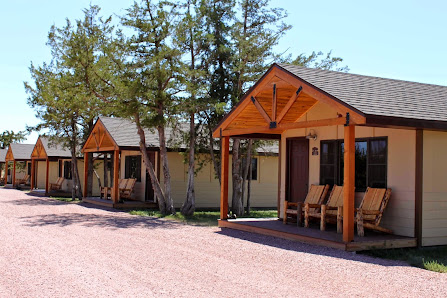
49,248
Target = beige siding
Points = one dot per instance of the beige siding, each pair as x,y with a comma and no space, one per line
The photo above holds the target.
207,188
139,193
399,215
434,198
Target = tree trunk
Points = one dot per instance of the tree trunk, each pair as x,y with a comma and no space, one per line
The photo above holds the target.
150,168
166,175
97,178
236,202
189,205
76,190
250,145
106,170
211,148
246,168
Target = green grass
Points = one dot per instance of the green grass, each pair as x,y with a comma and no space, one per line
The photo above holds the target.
202,218
67,200
429,258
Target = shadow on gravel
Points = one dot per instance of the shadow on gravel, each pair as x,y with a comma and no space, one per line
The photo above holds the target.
308,248
109,221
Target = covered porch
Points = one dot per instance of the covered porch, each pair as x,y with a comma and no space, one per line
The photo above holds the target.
18,154
284,105
122,161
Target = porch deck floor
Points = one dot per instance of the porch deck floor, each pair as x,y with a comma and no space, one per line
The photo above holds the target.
52,193
313,235
127,204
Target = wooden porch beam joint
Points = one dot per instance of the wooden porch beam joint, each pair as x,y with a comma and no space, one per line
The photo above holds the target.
273,124
289,104
261,110
347,119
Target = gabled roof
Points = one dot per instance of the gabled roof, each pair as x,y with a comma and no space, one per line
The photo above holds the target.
285,93
3,154
378,96
46,148
114,133
19,151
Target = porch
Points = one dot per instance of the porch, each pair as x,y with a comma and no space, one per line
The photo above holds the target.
125,204
328,140
329,238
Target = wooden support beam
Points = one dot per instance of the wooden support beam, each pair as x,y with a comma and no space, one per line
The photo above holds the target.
33,173
289,105
116,169
225,151
14,174
349,184
85,175
281,127
261,110
47,174
274,103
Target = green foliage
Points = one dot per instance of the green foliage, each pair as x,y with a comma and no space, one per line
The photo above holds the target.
8,137
430,258
203,218
317,60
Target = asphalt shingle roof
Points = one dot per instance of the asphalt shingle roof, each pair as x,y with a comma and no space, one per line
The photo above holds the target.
378,96
22,151
3,154
125,134
53,149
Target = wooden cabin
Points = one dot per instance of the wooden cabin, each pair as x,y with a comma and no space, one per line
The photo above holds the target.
358,131
50,161
118,137
18,153
3,169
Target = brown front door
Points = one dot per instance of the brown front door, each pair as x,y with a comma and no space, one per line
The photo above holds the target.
297,169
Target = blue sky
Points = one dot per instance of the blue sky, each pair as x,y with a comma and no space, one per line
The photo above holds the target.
394,39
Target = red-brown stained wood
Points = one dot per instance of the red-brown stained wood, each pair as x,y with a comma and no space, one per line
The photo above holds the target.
224,176
115,189
349,184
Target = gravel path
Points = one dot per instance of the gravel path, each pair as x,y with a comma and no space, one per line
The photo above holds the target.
49,248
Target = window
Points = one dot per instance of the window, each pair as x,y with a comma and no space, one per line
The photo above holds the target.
133,167
254,168
370,163
67,169
29,168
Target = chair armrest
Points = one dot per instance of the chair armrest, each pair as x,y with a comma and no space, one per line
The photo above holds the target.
331,208
369,212
313,205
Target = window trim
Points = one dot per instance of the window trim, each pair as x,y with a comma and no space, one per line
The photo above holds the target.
138,174
337,163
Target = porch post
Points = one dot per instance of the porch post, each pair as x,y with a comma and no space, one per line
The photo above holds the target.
224,177
85,174
14,174
116,167
32,173
47,176
349,184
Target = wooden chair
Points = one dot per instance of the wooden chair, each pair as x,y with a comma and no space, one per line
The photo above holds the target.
106,191
23,180
126,192
316,195
58,184
370,211
332,211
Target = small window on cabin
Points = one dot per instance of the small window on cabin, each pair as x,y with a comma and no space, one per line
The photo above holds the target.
67,169
254,168
133,167
29,168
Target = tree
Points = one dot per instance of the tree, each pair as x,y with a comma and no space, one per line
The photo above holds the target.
8,137
255,32
317,60
152,76
68,93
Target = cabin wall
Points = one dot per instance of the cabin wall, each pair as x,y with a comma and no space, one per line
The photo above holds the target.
434,190
400,213
139,193
207,187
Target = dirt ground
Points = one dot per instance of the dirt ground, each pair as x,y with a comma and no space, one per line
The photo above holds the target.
50,248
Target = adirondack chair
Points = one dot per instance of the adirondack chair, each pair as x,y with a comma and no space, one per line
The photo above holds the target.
58,184
370,211
332,211
316,195
106,191
22,180
126,191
